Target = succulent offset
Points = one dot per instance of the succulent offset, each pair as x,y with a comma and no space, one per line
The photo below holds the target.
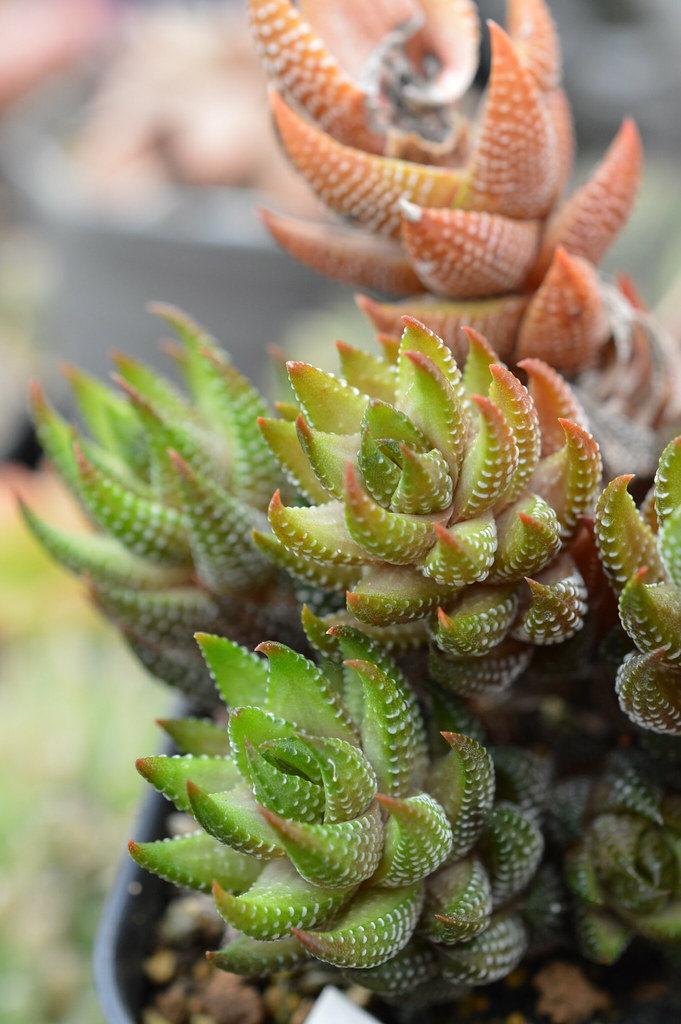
641,553
440,498
331,830
464,217
623,860
173,488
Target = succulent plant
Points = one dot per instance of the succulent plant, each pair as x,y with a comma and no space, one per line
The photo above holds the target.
641,553
330,829
465,218
441,499
623,861
173,487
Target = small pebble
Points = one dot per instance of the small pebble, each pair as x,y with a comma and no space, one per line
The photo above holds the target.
161,967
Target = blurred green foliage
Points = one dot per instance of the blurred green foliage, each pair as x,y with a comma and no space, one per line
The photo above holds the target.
75,710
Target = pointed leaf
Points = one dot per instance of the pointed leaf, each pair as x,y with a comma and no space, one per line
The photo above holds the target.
512,847
103,559
514,401
489,956
328,455
389,728
300,690
283,440
458,902
417,839
337,855
234,819
170,774
373,928
463,553
489,463
258,959
569,479
463,783
196,861
651,615
390,594
385,536
649,692
318,533
433,405
478,621
625,542
240,676
328,403
557,609
370,374
278,900
602,936
348,779
528,538
220,530
329,577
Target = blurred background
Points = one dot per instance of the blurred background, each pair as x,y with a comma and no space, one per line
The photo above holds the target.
134,146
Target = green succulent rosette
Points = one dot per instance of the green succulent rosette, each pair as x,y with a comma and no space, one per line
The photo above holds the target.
641,553
623,858
331,828
173,484
440,500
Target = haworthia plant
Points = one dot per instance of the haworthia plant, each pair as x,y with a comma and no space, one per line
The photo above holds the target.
641,553
330,828
173,485
441,499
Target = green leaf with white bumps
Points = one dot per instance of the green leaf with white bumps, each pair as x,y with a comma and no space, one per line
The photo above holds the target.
348,779
147,527
283,439
463,784
557,606
417,839
277,901
328,403
649,692
489,956
389,728
374,927
667,488
458,902
625,542
170,775
389,594
478,621
463,553
196,861
414,965
512,848
384,536
297,688
528,538
258,959
235,819
434,406
220,530
651,615
240,676
368,373
318,533
569,479
489,463
103,559
337,855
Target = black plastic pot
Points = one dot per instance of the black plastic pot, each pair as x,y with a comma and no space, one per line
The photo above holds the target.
124,937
